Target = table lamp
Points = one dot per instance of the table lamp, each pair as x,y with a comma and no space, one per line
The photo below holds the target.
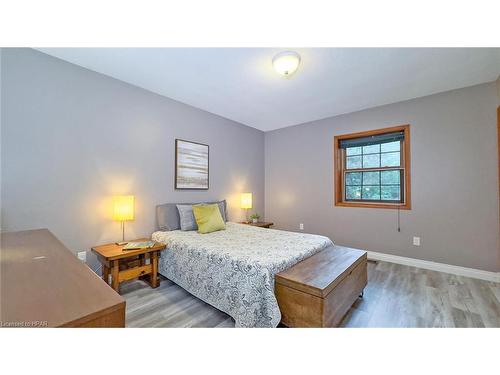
123,210
246,202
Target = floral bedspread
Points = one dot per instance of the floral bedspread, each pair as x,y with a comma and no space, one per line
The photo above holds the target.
233,269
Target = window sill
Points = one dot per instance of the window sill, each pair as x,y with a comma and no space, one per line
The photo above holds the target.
403,206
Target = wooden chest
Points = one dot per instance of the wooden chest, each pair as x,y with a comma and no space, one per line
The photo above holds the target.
319,291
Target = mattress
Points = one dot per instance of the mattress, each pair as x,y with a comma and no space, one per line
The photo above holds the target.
234,269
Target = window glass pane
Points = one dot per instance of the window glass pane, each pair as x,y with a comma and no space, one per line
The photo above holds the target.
391,193
353,178
371,193
371,178
353,192
353,162
391,159
353,151
391,146
371,161
390,177
372,149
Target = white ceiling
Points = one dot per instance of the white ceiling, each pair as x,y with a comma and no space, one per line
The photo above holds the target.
240,83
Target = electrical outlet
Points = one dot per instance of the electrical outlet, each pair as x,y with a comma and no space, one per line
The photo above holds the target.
416,241
301,226
82,255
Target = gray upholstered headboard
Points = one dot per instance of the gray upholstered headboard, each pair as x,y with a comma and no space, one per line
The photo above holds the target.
167,215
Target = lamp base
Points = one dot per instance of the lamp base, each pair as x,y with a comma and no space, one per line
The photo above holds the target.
123,242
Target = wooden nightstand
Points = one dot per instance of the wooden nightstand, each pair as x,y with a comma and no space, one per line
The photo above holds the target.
261,224
128,264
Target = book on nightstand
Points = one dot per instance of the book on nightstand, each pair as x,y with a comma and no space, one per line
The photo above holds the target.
139,245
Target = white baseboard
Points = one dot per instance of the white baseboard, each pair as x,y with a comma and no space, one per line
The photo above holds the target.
434,266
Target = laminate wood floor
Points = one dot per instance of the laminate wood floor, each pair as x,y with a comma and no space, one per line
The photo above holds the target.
396,296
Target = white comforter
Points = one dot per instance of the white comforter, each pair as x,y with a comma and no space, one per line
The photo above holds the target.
234,269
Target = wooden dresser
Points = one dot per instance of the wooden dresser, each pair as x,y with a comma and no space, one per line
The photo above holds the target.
43,284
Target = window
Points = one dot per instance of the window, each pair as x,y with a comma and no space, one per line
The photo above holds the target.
372,169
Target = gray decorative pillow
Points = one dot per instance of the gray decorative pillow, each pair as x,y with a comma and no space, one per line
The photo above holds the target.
222,209
186,216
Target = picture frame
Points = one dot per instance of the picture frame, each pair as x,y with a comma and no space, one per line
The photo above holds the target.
191,165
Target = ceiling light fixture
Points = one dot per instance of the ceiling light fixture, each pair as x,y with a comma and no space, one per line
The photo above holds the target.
286,63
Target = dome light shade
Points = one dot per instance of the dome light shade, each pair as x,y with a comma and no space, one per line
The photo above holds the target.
286,63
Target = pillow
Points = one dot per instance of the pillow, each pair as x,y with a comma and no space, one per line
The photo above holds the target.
208,218
222,208
186,217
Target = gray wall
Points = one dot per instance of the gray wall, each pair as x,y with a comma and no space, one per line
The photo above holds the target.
72,138
1,119
498,90
454,180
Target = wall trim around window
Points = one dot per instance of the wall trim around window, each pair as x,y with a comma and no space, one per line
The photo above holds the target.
338,170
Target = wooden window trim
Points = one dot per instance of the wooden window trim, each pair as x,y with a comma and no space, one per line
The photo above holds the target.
338,169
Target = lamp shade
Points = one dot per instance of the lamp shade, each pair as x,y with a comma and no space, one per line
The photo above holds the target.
246,200
123,207
286,63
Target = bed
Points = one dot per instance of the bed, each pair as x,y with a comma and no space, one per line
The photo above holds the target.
234,269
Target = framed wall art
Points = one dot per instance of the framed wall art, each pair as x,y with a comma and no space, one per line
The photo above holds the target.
191,165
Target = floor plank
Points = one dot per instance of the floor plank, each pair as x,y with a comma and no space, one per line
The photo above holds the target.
396,296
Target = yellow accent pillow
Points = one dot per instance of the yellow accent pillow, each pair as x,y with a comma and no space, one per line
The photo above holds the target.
208,218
